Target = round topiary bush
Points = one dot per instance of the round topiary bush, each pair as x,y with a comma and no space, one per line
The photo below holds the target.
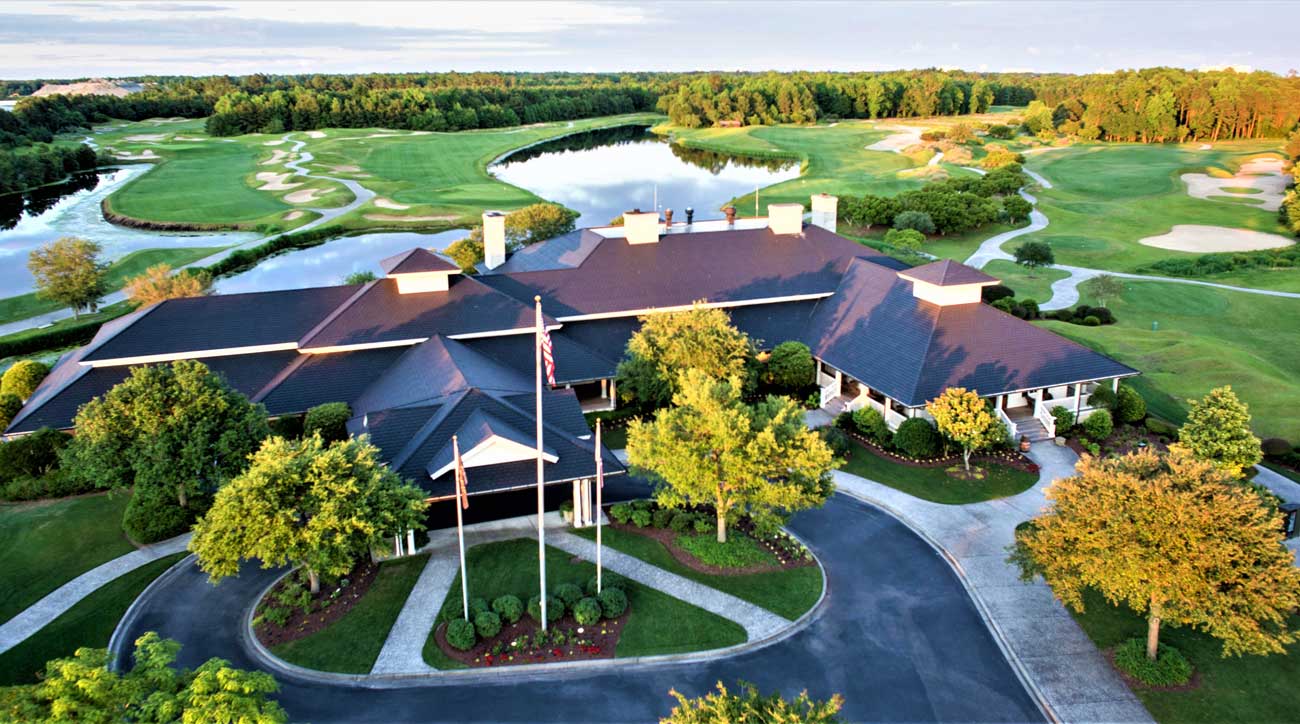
478,605
611,580
151,517
994,292
569,593
23,377
509,608
1272,446
790,366
1103,397
329,419
917,438
1099,425
10,404
1064,419
586,611
460,634
487,624
1170,668
871,425
1091,321
1129,405
554,609
613,602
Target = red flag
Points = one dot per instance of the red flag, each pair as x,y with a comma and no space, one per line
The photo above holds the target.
462,480
548,356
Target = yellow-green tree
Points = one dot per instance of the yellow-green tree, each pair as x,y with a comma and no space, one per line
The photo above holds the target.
304,503
710,448
670,343
1218,430
158,284
1174,538
963,417
69,271
724,707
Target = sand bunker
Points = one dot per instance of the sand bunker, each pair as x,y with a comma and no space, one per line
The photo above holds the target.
1205,146
1204,239
294,215
383,135
277,156
394,217
189,138
306,196
160,121
906,136
275,181
384,203
345,169
315,134
276,142
1263,175
145,154
146,137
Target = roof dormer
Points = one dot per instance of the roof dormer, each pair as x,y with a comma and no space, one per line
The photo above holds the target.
419,270
947,282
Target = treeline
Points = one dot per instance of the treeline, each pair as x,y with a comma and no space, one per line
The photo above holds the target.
39,165
950,206
1289,212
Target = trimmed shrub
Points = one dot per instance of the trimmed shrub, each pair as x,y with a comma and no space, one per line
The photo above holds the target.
554,609
621,512
1064,419
790,366
1274,447
844,421
917,438
1156,426
1170,668
31,456
487,624
1030,307
640,517
1129,405
54,484
994,292
151,517
478,605
662,517
509,608
460,634
10,404
613,602
1103,397
612,580
329,419
569,593
837,440
680,523
918,220
22,378
1091,321
871,425
586,611
1099,425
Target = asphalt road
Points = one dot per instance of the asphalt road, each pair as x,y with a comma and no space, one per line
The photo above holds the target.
897,636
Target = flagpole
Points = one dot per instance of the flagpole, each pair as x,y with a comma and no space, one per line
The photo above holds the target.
462,499
600,483
541,496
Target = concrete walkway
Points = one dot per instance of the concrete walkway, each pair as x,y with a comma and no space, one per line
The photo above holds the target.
1286,489
40,614
1071,675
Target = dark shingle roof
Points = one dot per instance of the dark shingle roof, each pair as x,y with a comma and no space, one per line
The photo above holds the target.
433,370
313,379
947,273
220,322
416,261
562,252
574,362
477,428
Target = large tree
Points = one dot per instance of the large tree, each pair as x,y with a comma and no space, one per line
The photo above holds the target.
81,688
1104,288
712,449
175,429
670,343
1218,430
538,222
1034,254
303,502
965,418
1174,538
158,284
69,271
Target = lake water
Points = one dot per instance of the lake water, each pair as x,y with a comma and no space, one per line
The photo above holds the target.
603,173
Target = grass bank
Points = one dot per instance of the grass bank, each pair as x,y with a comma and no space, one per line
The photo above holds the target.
934,484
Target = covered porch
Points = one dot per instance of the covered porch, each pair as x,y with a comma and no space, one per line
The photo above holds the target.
1028,413
596,395
841,393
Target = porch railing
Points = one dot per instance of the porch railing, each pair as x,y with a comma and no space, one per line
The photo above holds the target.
1012,430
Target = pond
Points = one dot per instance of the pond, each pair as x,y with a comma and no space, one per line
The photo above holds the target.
31,219
603,173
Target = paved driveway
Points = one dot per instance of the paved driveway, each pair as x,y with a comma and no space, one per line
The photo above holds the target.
897,636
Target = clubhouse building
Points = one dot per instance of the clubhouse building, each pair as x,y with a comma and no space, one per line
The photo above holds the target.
428,352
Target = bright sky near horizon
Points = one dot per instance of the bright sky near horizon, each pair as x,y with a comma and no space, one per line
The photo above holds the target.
91,38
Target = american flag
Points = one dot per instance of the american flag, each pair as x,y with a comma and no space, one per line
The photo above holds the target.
462,480
548,356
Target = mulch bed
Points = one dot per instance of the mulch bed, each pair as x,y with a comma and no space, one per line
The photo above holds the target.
300,625
598,641
668,537
1008,458
1124,440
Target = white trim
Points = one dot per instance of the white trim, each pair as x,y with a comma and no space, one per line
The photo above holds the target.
693,305
526,486
502,332
195,354
364,345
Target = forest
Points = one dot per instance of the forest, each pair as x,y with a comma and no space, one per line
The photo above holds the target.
41,164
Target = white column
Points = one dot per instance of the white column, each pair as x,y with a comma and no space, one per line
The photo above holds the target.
410,541
1114,387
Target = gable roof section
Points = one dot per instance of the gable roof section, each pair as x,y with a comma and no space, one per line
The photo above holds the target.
574,362
379,314
196,324
314,379
434,370
876,331
480,428
567,251
717,266
947,273
417,261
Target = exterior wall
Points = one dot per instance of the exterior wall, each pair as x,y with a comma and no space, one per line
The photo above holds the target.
944,296
425,282
785,218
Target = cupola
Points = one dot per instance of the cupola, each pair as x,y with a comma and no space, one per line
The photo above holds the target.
419,270
947,282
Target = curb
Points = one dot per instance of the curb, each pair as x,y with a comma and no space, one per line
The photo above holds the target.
446,677
115,644
999,637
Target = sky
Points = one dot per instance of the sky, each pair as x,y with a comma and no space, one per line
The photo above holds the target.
108,39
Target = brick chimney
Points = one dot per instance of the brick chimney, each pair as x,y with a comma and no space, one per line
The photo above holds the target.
494,239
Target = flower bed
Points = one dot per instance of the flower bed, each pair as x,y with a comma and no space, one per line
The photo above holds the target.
1124,440
289,611
524,642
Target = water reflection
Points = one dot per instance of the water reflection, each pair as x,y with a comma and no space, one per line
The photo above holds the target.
603,173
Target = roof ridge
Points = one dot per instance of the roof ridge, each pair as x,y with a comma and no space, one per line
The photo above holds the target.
279,378
321,325
417,439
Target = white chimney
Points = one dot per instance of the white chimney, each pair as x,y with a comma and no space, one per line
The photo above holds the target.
785,218
494,239
641,227
824,210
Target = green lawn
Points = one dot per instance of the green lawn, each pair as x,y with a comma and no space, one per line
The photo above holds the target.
1107,197
351,644
45,545
934,484
614,439
658,624
953,246
788,593
28,305
1035,284
88,623
1206,338
1237,689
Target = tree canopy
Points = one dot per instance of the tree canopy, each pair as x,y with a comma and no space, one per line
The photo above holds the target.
669,343
790,366
1174,538
711,449
748,706
305,503
1218,430
69,271
963,417
158,284
1034,254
